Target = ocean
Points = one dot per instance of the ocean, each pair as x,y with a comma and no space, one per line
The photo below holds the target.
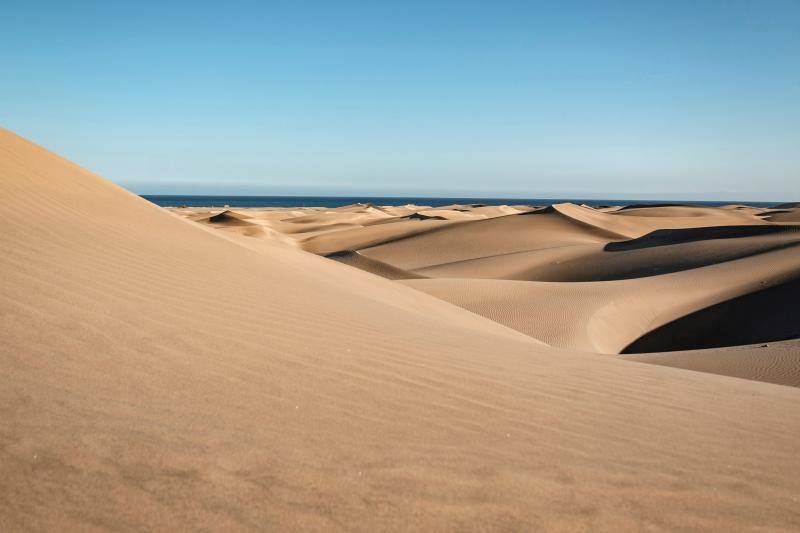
176,200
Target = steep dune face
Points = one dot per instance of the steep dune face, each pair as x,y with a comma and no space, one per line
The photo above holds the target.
764,315
159,374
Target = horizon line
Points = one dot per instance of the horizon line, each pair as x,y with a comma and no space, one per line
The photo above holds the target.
438,197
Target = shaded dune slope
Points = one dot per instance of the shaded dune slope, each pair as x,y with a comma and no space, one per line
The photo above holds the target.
160,375
662,237
668,251
787,217
227,218
770,314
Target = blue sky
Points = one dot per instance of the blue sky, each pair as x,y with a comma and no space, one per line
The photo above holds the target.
645,99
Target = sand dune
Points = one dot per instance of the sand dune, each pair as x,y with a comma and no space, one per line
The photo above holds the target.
636,222
500,235
164,374
526,265
788,216
656,253
774,362
768,314
365,237
665,237
468,263
609,316
355,259
227,218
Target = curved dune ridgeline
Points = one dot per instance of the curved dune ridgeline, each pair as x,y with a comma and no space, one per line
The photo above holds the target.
765,315
162,373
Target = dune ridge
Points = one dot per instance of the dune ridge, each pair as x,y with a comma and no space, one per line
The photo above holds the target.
165,374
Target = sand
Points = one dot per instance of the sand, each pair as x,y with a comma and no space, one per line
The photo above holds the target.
775,362
189,371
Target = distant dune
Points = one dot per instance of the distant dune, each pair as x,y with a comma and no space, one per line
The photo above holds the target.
201,369
684,277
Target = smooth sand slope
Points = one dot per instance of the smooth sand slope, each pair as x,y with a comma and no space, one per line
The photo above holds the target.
164,374
775,362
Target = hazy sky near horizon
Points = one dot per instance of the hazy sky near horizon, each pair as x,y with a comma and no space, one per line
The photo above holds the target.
625,99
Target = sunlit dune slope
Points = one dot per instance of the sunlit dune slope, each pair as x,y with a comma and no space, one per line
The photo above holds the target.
161,374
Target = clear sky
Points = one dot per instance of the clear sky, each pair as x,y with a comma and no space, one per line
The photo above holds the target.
677,99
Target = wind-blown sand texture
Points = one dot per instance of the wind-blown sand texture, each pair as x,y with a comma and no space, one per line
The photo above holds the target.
204,371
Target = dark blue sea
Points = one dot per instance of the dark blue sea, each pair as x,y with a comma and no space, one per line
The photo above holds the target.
172,200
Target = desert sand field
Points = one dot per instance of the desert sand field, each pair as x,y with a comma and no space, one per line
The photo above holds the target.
402,368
